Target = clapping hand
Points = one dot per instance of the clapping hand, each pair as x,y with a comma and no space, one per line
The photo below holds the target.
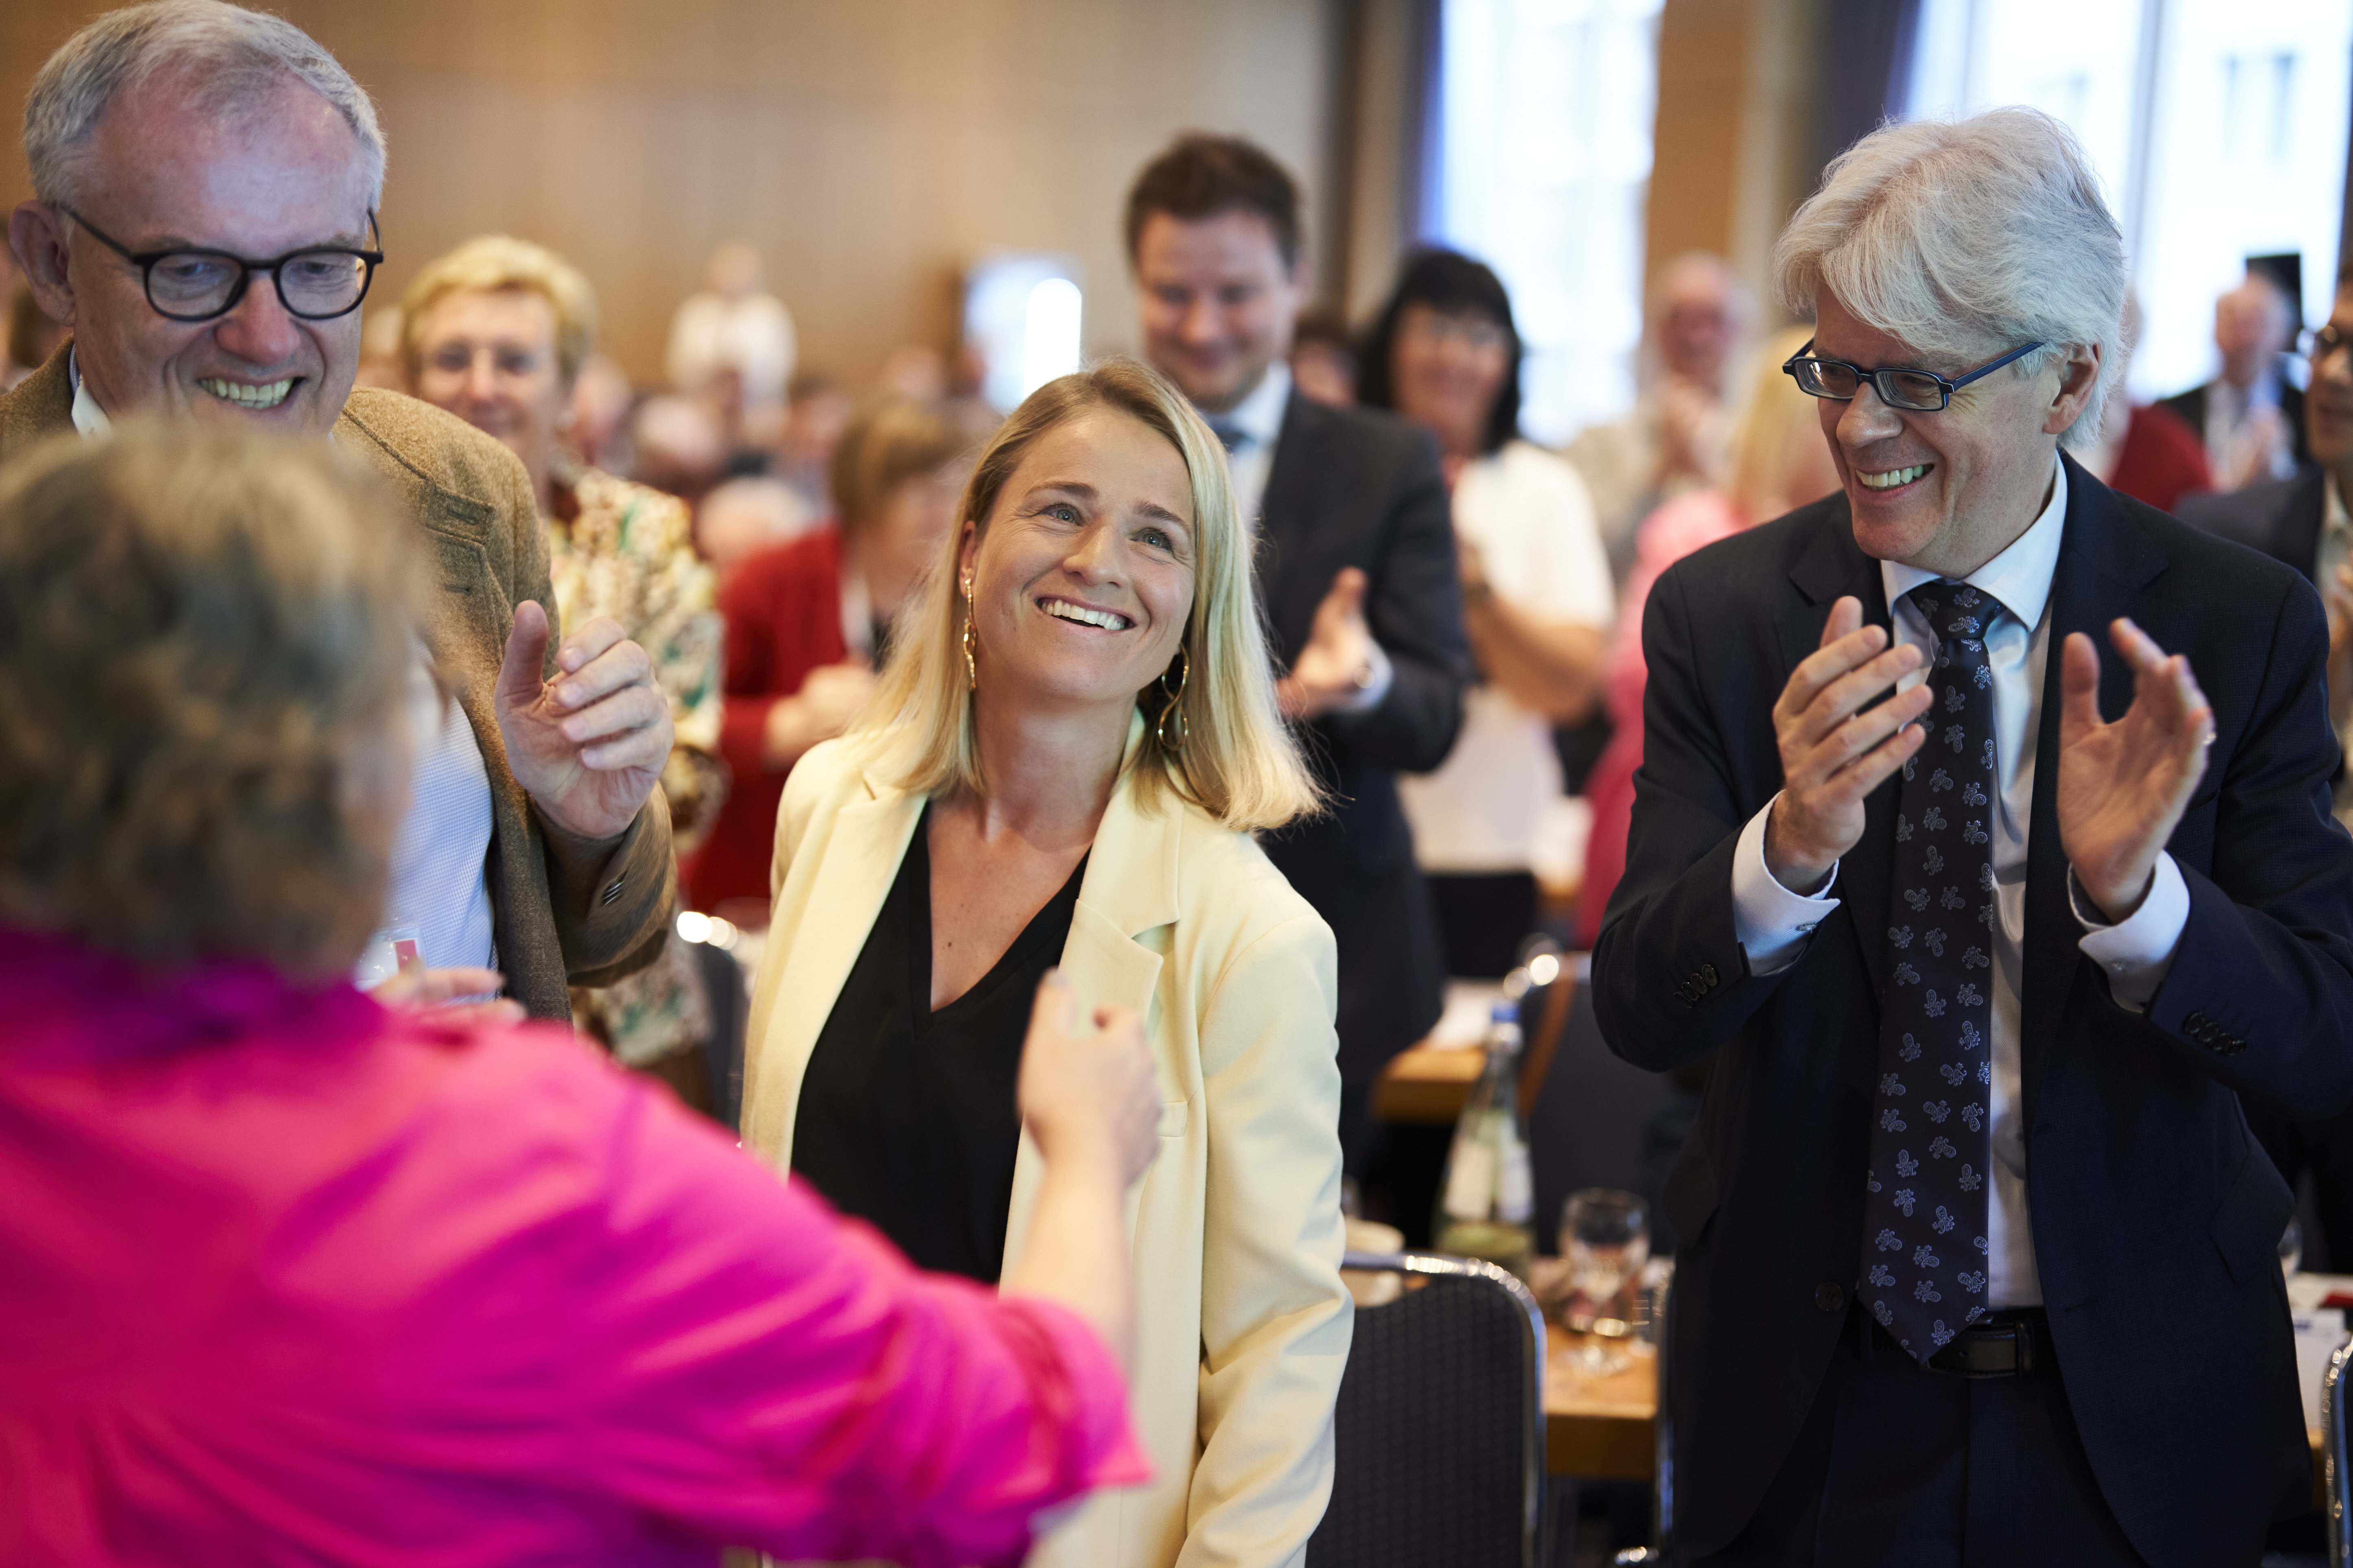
588,745
2123,786
1832,753
1339,649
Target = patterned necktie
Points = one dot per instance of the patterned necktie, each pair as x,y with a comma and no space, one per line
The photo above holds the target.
1924,1253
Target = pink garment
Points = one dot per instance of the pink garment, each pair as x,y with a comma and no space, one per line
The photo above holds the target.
1689,522
285,1278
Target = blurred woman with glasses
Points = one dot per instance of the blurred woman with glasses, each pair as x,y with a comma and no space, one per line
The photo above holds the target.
295,1277
1536,600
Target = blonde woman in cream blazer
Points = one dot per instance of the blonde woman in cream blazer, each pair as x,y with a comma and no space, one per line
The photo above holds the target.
1105,490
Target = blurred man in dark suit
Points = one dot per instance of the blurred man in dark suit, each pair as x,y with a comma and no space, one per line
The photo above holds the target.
2302,520
1356,573
1979,1262
2250,416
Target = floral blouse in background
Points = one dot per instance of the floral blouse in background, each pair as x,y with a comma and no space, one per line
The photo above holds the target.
621,549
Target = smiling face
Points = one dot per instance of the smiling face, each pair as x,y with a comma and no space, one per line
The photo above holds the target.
1448,368
488,355
1219,306
1082,579
283,174
1950,490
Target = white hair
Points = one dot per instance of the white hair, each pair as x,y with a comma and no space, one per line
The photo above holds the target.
1965,238
230,58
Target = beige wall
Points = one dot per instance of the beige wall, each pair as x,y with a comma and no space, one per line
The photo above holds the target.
869,147
1735,131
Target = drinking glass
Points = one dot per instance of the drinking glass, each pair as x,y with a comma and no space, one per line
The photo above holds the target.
1606,1237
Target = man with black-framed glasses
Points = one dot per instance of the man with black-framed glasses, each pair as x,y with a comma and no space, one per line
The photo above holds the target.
1987,929
207,178
2303,522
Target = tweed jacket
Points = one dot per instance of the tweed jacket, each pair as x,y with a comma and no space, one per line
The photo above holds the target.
1242,1325
568,910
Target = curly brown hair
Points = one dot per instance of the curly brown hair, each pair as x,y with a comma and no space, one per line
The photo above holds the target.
204,638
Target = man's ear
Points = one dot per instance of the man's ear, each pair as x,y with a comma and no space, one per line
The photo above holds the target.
2079,372
36,235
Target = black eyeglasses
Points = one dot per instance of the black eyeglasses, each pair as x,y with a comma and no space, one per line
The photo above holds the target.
1916,391
317,283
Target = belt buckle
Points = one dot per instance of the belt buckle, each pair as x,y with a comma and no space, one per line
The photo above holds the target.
1999,1350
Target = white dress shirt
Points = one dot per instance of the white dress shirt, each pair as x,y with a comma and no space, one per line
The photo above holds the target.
1482,810
1252,426
1251,429
1773,923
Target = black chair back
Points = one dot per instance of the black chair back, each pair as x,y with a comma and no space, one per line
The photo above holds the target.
1439,1433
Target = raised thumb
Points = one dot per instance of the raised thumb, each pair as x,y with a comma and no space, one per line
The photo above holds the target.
525,658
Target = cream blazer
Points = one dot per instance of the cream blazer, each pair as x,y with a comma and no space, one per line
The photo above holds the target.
1242,1323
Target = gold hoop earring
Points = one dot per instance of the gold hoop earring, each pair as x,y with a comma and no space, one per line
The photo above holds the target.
971,668
1174,708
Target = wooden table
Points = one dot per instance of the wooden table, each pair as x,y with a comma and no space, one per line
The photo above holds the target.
1604,1428
1427,1084
1599,1428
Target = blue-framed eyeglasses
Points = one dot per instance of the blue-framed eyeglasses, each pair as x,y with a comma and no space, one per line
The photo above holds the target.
1916,391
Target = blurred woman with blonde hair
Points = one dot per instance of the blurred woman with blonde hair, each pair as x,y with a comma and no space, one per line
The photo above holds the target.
1063,765
1778,459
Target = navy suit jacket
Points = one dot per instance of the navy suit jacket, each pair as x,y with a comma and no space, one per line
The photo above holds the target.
1354,486
2156,1216
2282,518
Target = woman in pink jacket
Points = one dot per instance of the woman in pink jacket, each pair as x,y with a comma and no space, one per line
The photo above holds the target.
292,1275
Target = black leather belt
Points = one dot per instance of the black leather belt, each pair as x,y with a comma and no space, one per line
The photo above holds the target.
2008,1344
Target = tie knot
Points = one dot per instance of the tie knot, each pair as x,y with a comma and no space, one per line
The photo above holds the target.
1229,434
1955,611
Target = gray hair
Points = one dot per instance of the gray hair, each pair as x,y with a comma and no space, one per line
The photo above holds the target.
1965,238
229,55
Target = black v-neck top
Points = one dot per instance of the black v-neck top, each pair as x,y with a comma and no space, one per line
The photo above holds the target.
908,1118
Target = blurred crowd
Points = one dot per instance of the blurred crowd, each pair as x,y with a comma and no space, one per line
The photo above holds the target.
757,521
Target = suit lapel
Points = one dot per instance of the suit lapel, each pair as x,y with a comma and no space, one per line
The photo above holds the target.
853,876
2103,564
1130,890
1289,583
1835,567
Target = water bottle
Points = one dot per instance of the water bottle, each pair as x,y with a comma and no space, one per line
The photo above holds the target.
1488,1199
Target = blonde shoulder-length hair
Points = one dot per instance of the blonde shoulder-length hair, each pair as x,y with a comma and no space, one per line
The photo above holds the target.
1237,761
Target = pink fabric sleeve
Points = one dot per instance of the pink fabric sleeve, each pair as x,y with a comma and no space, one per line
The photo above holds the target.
781,1378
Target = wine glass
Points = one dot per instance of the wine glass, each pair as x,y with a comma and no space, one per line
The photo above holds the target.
1606,1237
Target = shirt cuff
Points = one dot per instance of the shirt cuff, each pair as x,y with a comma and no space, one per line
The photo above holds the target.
1379,675
1771,922
2136,953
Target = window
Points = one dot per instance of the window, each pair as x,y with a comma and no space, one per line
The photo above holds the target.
2218,126
1544,118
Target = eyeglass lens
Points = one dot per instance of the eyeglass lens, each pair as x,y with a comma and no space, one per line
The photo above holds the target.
1898,388
312,283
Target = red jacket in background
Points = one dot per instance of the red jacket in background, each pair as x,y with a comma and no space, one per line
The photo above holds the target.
782,608
2162,458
